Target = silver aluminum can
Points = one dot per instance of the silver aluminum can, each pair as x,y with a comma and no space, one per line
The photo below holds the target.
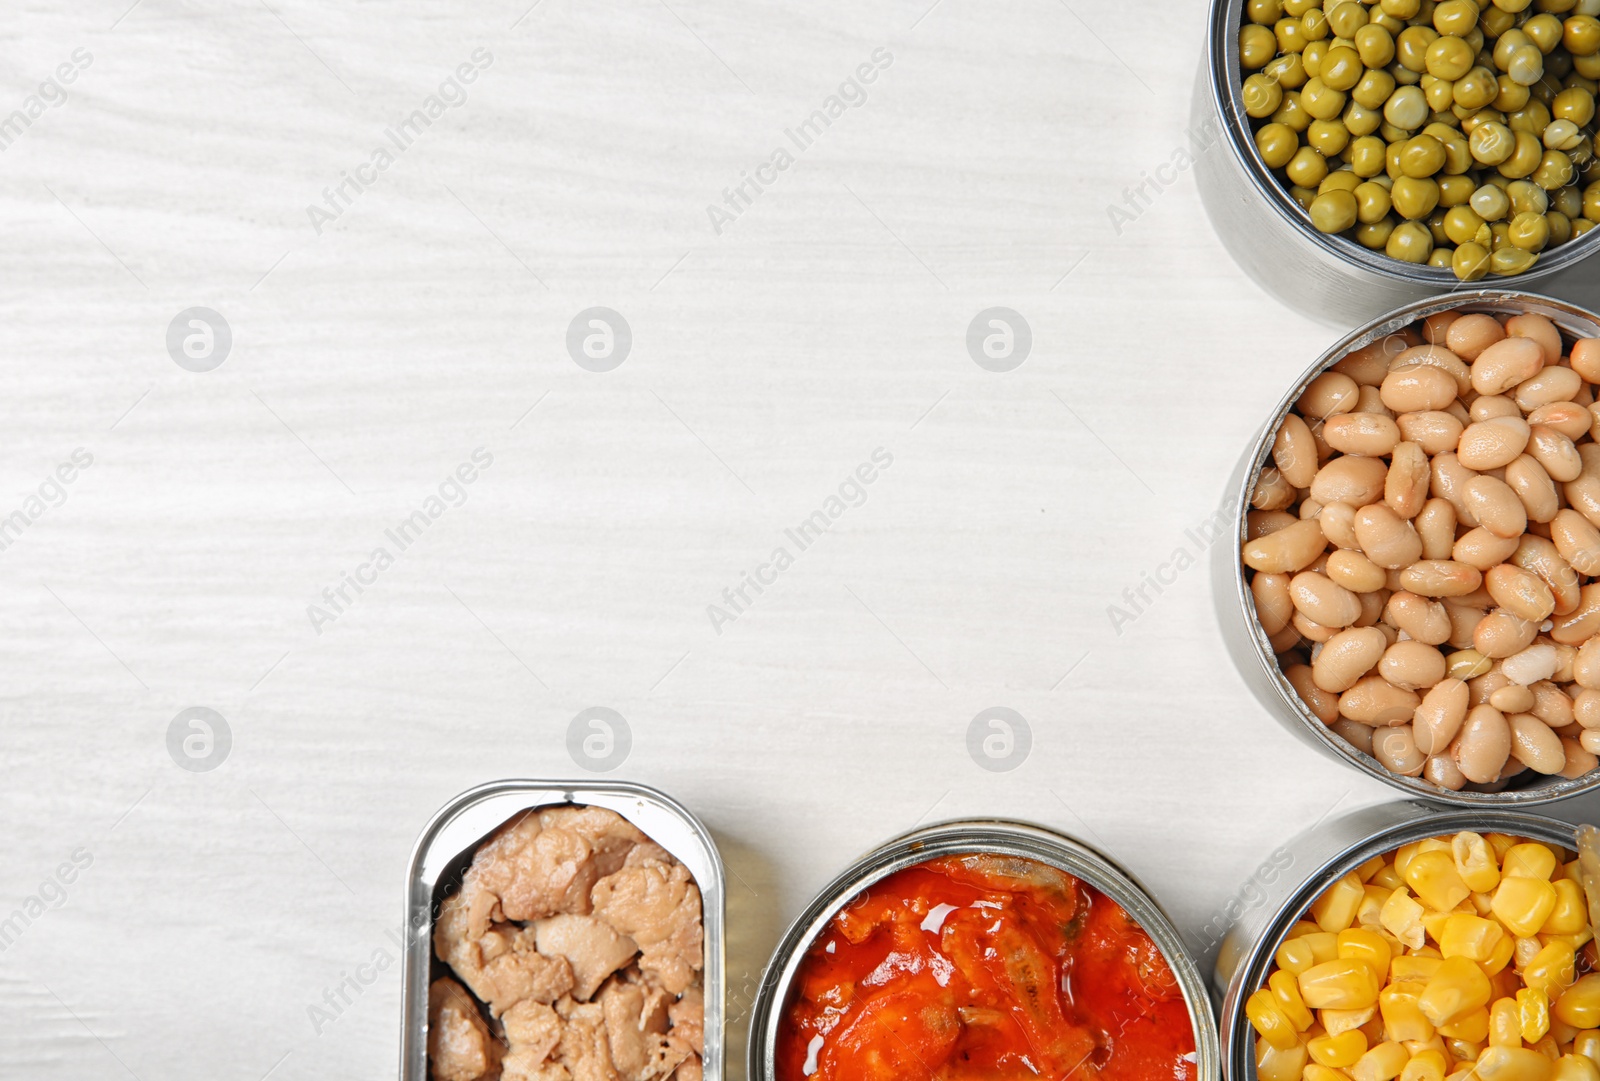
962,837
1331,278
1316,860
1236,608
445,850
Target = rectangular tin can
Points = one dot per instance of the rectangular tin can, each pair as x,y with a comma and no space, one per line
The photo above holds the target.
960,838
446,847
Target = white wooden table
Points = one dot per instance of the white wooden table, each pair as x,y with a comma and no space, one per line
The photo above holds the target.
429,317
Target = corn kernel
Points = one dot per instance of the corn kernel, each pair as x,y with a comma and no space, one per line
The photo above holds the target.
1457,989
1571,870
1529,861
1402,917
1577,941
1336,908
1523,903
1404,855
1575,1068
1552,970
1475,863
1344,984
1533,1011
1463,1050
1381,1063
1464,1071
1579,1005
1526,949
1587,1044
1294,956
1269,1022
1388,878
1359,944
1547,1046
1505,1023
1414,967
1500,844
1563,1033
1334,1022
1500,957
1301,928
1513,1064
1370,868
1338,1052
1286,992
1432,876
1403,1019
1472,937
1370,912
1474,1026
1482,903
1316,1071
1373,1031
1424,1066
1324,946
1273,1064
1571,914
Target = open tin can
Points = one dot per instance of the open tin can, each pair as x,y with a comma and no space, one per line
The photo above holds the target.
1270,236
445,849
1242,632
1315,860
965,838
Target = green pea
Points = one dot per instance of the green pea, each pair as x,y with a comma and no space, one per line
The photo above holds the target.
1373,88
1372,203
1291,113
1347,19
1262,96
1491,203
1341,68
1376,235
1407,108
1411,48
1545,31
1422,156
1512,96
1470,262
1360,120
1443,258
1288,71
1461,224
1328,137
1277,144
1526,66
1455,190
1568,201
1492,143
1304,196
1414,197
1375,46
1581,35
1530,232
1476,89
1555,170
1306,168
1449,58
1411,242
1321,100
1366,155
1458,17
1263,12
1560,228
1333,212
1525,159
1512,260
1257,47
1575,104
1311,56
1527,197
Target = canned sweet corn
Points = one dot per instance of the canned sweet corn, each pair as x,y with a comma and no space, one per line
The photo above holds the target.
1422,945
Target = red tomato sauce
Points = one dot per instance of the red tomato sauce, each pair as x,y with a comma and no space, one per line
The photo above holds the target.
984,968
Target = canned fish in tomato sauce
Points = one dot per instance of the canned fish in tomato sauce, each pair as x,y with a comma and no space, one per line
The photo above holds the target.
983,949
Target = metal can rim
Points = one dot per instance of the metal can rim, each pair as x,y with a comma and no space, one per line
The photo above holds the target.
710,878
1382,327
1222,64
1238,1046
997,835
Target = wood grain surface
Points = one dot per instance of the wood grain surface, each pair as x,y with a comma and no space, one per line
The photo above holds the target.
375,351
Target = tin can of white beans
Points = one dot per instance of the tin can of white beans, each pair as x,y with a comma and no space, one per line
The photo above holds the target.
1329,277
445,850
1242,632
1313,862
987,837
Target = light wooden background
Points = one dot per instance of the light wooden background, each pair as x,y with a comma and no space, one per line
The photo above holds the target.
369,361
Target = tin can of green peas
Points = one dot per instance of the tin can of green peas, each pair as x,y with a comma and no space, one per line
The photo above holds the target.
1329,277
